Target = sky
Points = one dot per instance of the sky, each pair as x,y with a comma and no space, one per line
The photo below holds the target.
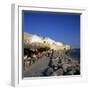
61,27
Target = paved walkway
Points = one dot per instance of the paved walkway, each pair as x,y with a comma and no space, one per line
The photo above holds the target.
37,68
41,65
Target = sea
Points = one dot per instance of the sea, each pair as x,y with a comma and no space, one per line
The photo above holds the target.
74,53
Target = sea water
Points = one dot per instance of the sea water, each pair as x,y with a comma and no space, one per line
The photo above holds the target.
75,53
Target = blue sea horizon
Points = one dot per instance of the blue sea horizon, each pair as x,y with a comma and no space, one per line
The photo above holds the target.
75,53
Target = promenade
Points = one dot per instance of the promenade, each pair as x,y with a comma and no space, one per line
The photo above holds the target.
59,64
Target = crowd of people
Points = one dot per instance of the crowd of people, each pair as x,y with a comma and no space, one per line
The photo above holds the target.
59,62
33,55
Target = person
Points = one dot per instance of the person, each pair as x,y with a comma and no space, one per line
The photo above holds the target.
25,59
60,63
48,53
34,58
36,51
51,56
50,63
29,59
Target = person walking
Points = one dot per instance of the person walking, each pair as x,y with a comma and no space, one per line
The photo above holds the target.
51,56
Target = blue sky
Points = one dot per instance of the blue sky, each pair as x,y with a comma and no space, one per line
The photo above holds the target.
60,27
